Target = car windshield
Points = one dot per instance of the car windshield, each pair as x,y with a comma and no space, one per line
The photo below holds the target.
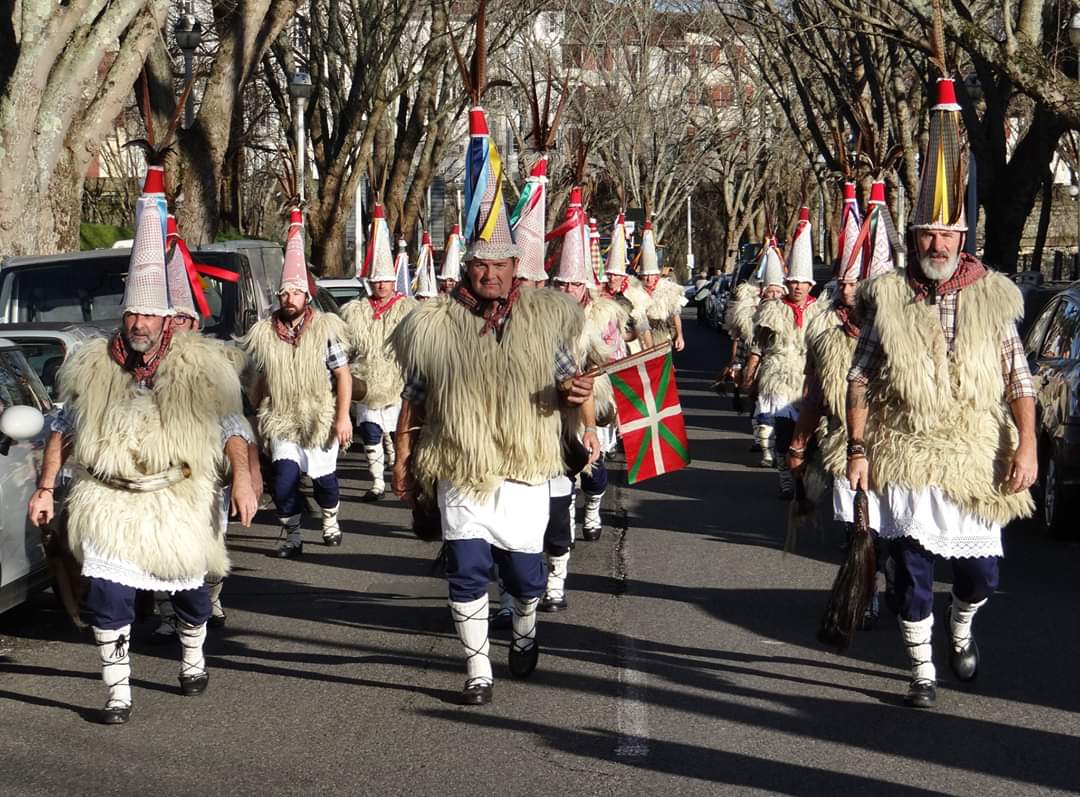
19,385
345,293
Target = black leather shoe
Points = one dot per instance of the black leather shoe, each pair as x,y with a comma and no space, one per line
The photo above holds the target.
191,685
591,535
476,693
523,662
964,662
921,694
116,715
332,540
552,605
373,495
216,621
289,550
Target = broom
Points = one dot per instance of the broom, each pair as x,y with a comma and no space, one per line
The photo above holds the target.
854,585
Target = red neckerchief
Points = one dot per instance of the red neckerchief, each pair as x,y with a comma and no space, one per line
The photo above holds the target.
620,292
495,312
291,335
968,271
141,369
379,310
847,320
798,311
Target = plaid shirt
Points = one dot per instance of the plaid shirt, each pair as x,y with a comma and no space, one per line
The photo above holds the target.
566,367
63,421
869,355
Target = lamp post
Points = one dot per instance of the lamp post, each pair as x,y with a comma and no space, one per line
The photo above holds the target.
188,35
300,90
1074,37
689,240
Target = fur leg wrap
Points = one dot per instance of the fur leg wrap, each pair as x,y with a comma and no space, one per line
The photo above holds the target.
524,623
471,621
917,636
192,638
112,648
960,621
556,580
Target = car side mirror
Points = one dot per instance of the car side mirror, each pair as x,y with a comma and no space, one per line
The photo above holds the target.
19,423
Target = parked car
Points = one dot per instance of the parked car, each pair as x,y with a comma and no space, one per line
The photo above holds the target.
1053,350
47,345
343,289
23,403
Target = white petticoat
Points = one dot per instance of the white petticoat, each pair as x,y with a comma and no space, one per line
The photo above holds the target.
774,407
937,523
561,486
513,517
844,504
98,565
385,418
314,462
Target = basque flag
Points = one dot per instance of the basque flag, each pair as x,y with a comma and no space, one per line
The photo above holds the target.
650,415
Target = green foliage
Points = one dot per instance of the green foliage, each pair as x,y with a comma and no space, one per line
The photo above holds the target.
102,236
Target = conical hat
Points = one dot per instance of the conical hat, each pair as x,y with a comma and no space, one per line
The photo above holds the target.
294,276
487,227
401,269
379,260
528,222
425,270
176,273
153,193
849,266
800,253
648,261
940,202
451,265
616,256
879,233
146,291
599,274
773,266
575,263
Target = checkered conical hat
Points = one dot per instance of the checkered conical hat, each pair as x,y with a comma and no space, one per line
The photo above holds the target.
146,291
616,256
942,187
528,222
487,226
849,265
881,240
379,259
426,286
648,260
599,274
451,265
575,260
800,253
294,274
176,274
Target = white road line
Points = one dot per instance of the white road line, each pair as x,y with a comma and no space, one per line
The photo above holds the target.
632,712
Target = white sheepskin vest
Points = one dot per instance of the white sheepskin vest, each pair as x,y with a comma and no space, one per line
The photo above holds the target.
667,299
941,418
783,360
831,349
126,432
375,363
299,405
491,410
602,343
739,319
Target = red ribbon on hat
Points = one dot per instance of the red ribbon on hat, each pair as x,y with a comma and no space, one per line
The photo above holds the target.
222,274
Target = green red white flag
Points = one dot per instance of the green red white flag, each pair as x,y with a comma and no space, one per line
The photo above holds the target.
650,415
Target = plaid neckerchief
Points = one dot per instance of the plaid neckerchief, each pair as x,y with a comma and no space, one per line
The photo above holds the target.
495,312
291,335
141,369
968,271
847,320
379,310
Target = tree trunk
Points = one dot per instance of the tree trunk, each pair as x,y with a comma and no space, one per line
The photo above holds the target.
1044,221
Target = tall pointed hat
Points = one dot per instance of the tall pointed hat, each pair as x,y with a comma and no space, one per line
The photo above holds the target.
575,260
616,255
648,260
379,259
425,285
849,264
880,242
800,252
528,222
942,187
294,273
771,269
599,274
146,291
178,273
403,284
451,265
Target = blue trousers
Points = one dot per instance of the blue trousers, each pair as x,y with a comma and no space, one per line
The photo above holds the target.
371,433
558,536
910,576
287,488
596,482
113,605
470,564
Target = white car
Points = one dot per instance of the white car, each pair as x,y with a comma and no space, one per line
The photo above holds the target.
343,289
23,403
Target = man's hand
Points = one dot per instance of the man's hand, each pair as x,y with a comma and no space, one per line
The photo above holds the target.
343,429
591,441
244,503
795,462
680,344
578,390
402,482
858,473
1024,469
41,508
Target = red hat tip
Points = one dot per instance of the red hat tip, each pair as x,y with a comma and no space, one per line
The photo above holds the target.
295,216
540,169
455,230
946,93
849,191
155,181
478,125
377,211
575,196
804,213
877,192
426,240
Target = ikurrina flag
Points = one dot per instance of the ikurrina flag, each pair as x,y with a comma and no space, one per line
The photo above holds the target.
650,415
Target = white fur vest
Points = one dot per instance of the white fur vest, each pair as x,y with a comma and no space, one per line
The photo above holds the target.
941,418
122,431
739,319
299,405
375,363
830,349
491,410
783,360
602,343
667,300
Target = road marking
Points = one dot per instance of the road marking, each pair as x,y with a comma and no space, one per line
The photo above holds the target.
632,712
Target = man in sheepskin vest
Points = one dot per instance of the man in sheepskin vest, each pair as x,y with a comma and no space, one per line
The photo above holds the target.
626,291
303,395
370,321
450,272
941,414
152,418
666,297
489,368
777,358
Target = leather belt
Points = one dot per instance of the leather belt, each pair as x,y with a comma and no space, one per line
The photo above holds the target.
144,484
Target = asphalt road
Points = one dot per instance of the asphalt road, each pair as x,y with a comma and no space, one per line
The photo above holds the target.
687,664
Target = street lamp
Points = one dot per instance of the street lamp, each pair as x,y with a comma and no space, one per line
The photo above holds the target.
188,35
300,90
